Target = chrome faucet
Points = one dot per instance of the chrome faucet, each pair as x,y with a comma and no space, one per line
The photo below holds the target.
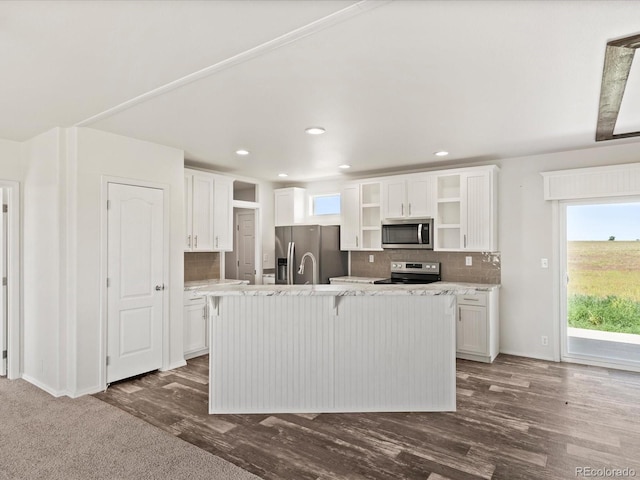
314,265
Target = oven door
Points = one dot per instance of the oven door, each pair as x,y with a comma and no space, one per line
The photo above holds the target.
408,234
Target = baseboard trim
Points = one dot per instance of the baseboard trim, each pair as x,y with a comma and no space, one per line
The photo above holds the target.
42,386
86,391
527,355
172,366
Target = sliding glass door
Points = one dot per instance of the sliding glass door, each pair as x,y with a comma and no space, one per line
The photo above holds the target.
601,287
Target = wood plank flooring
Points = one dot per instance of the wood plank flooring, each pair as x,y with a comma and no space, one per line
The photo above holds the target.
516,419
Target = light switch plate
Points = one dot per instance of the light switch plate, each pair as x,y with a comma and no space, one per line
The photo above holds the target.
468,261
544,263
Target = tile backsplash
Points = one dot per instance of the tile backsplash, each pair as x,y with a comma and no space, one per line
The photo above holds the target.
485,268
201,266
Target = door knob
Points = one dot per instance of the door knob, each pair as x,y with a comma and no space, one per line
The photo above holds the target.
160,287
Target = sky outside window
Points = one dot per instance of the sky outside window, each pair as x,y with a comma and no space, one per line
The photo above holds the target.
599,222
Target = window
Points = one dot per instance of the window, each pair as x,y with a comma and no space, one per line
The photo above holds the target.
325,204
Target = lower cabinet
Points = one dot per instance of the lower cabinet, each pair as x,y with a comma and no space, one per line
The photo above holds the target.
195,326
477,327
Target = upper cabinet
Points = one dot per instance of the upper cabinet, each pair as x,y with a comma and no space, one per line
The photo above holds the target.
222,214
208,212
289,206
407,196
360,216
466,218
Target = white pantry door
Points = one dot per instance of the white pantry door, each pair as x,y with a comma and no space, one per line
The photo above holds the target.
3,295
135,289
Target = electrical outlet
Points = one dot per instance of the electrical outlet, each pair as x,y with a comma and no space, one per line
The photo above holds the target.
468,261
545,340
370,258
544,263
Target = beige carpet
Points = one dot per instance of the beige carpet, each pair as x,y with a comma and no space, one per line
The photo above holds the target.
42,437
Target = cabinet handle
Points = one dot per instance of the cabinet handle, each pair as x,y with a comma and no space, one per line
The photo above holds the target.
196,240
471,299
409,209
402,209
204,312
465,241
216,241
356,240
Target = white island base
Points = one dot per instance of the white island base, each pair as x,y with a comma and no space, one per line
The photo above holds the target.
331,351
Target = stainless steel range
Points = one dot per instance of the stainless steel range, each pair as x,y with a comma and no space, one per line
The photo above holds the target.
413,273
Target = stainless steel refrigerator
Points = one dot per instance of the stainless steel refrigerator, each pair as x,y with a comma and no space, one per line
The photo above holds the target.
322,241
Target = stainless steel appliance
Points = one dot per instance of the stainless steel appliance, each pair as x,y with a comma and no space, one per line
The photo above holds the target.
413,273
322,242
409,233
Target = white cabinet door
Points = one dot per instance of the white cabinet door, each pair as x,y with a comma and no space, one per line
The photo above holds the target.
195,327
202,227
289,206
393,193
223,214
472,329
476,211
421,200
350,218
188,212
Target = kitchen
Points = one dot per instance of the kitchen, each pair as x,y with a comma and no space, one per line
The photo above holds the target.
58,342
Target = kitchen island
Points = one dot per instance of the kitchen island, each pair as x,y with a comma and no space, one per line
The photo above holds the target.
333,348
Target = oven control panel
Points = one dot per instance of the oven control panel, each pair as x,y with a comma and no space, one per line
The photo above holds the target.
415,267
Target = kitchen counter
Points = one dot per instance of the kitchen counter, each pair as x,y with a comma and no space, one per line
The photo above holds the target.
352,279
212,282
345,290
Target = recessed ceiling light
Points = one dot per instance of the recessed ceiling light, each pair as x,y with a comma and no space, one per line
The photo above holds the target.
283,175
242,152
441,153
345,166
315,130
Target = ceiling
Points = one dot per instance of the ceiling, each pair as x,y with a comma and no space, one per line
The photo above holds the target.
392,82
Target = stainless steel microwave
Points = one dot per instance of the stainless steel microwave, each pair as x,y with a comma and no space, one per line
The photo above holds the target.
408,233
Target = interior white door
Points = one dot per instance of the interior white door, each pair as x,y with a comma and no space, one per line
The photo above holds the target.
3,296
246,246
135,289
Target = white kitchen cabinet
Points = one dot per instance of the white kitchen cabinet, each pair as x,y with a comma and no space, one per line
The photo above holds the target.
407,196
466,217
350,217
289,206
208,212
195,322
360,217
477,326
198,211
223,214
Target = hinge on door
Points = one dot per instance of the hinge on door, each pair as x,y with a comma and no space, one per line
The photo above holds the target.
5,208
238,228
108,282
108,204
4,354
4,281
238,262
108,360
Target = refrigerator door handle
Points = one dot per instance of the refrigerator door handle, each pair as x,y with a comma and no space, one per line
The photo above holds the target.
290,263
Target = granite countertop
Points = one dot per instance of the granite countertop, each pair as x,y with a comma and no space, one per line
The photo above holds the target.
438,288
192,285
351,279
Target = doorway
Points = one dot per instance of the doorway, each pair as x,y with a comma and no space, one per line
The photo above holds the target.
10,321
600,302
240,264
136,252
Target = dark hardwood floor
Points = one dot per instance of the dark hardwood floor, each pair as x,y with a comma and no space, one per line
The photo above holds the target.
516,419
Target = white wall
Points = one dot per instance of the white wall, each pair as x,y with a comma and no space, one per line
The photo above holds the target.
12,167
103,154
525,235
44,349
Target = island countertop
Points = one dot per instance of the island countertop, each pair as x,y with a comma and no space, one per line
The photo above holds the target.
437,288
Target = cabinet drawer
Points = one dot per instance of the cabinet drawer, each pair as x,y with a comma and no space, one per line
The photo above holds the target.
192,298
479,299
